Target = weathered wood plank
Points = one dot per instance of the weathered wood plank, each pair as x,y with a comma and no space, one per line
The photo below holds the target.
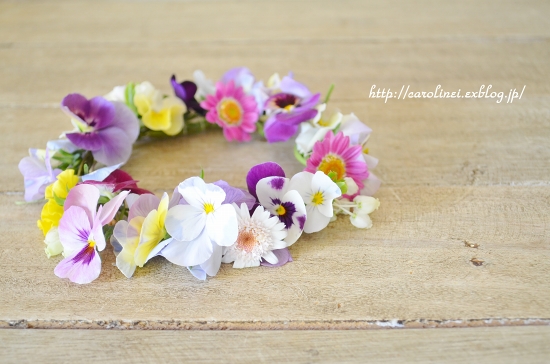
145,21
474,345
412,265
36,76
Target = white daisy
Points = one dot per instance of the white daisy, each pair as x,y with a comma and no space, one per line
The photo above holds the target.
259,235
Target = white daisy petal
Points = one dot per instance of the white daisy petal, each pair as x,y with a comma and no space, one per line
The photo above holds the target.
270,257
185,222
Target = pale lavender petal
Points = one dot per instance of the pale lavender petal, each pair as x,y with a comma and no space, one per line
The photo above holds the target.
291,86
259,171
236,195
197,272
37,176
282,254
241,76
310,102
157,249
84,196
295,117
372,184
64,144
176,199
110,209
126,120
97,235
83,266
74,229
143,206
115,146
212,265
189,253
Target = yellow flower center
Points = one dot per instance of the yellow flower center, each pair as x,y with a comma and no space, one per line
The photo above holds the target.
230,111
280,210
323,122
317,198
334,164
91,243
289,107
366,150
208,208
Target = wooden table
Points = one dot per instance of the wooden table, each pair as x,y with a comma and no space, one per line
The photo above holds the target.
459,252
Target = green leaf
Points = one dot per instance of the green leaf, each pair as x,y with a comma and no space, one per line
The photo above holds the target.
327,98
129,94
343,187
103,200
108,231
86,169
299,156
202,174
58,200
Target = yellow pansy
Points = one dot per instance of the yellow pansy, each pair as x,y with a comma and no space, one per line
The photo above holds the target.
56,192
158,113
152,232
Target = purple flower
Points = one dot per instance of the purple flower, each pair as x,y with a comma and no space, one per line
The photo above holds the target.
287,109
236,195
37,173
282,254
81,233
186,91
107,129
259,171
242,77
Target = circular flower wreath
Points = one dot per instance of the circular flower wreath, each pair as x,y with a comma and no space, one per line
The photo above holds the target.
89,200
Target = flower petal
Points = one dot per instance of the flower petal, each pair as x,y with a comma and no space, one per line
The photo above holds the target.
222,225
83,266
212,265
189,253
185,222
283,257
110,209
74,229
259,171
316,221
143,206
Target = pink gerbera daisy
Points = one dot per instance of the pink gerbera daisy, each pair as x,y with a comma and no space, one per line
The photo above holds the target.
334,153
233,110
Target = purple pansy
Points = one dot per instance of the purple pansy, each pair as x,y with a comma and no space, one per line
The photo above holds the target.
37,173
186,91
107,129
259,171
81,233
288,109
283,255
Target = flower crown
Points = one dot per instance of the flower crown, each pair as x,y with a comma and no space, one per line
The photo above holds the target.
90,201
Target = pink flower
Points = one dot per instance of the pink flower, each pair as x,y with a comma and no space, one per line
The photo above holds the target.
81,233
336,154
233,110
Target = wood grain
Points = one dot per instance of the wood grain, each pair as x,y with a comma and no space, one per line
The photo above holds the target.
480,345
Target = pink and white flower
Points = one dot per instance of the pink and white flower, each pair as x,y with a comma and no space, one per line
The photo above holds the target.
81,233
233,110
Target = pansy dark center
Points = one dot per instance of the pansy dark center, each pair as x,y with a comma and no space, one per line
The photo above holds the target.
286,101
284,211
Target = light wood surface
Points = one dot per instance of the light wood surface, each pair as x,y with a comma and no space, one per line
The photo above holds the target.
461,238
479,345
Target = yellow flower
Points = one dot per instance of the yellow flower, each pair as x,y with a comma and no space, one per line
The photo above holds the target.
158,113
152,232
56,193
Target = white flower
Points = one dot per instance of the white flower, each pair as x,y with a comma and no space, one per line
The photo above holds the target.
314,131
201,228
358,210
53,244
204,86
352,186
286,204
258,236
317,191
117,94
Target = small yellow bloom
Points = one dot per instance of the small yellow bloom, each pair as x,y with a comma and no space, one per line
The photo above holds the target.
158,113
152,232
52,211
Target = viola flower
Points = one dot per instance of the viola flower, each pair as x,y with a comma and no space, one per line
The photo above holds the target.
81,233
56,193
258,236
287,109
38,173
204,85
314,131
141,234
276,196
186,91
107,129
318,191
201,228
335,154
262,170
233,110
157,112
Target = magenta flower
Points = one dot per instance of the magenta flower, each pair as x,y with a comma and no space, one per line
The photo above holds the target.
107,129
288,109
336,154
81,233
118,181
233,110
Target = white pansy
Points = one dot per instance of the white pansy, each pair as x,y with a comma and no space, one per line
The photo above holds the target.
318,191
258,236
201,228
204,85
117,94
53,244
